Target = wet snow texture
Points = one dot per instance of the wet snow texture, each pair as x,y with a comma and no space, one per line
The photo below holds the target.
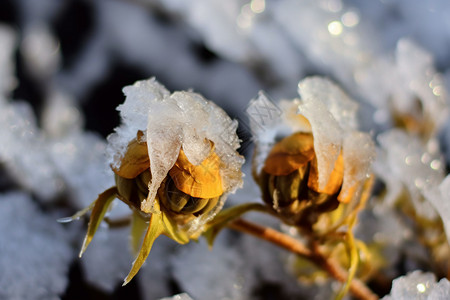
35,250
59,84
419,285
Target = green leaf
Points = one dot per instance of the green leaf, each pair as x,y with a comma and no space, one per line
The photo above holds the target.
98,212
228,215
155,229
138,227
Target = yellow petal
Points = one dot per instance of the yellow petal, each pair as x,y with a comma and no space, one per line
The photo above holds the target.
135,160
335,180
98,212
138,227
155,229
290,154
201,181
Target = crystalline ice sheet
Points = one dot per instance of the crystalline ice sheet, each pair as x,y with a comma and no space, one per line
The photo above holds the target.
339,104
419,285
332,115
268,120
35,251
358,152
327,136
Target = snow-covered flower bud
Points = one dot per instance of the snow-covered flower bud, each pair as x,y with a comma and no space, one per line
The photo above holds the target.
176,149
311,158
187,192
175,160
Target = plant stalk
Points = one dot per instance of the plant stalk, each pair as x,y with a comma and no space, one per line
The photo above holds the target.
357,287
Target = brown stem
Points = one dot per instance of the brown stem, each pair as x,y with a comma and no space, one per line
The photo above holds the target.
357,287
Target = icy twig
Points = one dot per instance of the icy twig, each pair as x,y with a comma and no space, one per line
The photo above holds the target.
315,255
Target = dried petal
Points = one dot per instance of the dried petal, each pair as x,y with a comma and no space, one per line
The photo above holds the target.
138,227
98,212
202,181
135,160
155,229
290,154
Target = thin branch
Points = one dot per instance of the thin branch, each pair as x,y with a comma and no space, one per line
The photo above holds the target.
357,287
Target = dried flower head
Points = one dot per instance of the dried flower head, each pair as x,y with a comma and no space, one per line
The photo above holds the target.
174,159
311,158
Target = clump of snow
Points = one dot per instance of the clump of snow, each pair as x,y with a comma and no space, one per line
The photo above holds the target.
235,268
35,251
419,285
24,150
41,52
182,296
107,261
338,103
413,89
318,29
223,268
182,119
359,153
415,67
439,197
404,161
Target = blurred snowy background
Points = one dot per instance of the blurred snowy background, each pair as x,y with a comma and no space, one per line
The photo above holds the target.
63,64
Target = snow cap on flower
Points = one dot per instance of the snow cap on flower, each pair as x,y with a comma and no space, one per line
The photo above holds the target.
173,122
327,113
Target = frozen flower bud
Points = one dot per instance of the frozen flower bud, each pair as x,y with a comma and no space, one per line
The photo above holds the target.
312,158
184,141
188,191
175,160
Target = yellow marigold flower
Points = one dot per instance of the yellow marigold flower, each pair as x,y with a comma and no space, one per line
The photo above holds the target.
174,158
311,158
